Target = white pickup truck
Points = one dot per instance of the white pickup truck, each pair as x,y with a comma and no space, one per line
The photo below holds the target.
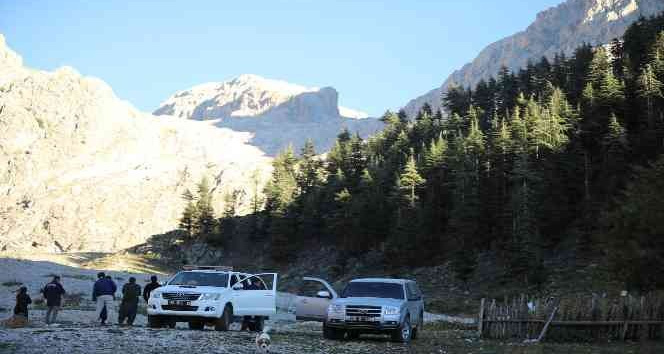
215,296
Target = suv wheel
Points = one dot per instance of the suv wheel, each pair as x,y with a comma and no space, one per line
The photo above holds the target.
196,325
154,321
404,332
332,333
224,322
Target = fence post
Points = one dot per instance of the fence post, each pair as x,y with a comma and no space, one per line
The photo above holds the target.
479,322
623,335
546,325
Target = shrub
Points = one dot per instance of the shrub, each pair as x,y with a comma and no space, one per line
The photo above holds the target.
12,283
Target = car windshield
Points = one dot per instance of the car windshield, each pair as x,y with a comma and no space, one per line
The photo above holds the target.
373,289
200,279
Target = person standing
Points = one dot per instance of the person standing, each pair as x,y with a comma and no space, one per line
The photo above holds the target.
103,315
22,302
53,292
148,288
131,292
103,292
249,322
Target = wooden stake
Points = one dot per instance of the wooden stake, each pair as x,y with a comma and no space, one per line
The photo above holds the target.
623,335
479,324
546,327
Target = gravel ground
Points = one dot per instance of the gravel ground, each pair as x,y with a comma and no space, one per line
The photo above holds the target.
87,339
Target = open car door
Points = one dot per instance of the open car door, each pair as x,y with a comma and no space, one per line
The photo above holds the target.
313,298
255,295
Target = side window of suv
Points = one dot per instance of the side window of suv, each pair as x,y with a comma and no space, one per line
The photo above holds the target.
310,288
412,291
417,291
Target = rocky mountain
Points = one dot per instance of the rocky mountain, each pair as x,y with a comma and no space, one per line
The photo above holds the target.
277,113
85,171
559,29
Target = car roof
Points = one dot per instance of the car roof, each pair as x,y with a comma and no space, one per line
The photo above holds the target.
381,280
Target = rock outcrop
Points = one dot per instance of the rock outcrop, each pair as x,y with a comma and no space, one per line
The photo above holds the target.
560,29
277,113
82,170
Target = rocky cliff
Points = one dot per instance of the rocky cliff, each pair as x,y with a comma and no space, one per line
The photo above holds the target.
559,29
275,112
82,170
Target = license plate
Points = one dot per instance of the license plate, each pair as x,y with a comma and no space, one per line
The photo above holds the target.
179,303
361,319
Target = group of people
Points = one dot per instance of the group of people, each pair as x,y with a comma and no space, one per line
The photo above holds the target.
103,293
53,292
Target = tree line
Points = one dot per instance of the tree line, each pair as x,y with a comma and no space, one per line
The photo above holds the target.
561,153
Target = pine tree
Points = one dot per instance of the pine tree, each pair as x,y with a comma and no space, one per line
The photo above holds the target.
280,193
206,218
189,218
410,180
309,176
650,90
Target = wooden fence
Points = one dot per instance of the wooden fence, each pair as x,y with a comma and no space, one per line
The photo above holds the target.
580,318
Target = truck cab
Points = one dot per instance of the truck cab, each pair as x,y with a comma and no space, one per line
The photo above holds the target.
215,296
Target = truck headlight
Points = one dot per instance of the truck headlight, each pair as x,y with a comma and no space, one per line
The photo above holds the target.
335,309
210,297
155,295
391,310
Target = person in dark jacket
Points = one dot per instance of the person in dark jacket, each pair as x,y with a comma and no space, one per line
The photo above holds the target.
148,288
104,293
53,292
249,322
22,302
131,292
103,316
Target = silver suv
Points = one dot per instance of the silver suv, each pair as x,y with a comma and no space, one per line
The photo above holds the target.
370,305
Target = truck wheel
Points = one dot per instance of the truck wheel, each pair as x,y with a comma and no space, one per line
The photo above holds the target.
404,332
154,321
196,325
333,333
352,335
224,322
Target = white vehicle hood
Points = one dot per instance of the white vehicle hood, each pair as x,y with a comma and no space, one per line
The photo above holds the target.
191,290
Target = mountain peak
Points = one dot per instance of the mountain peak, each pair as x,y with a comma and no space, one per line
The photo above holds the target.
11,64
277,112
558,29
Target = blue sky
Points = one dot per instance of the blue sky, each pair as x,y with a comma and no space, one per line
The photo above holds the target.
377,54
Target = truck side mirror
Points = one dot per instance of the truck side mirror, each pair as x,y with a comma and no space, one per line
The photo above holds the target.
238,286
323,294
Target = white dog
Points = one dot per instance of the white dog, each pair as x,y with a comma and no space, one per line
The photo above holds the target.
263,341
